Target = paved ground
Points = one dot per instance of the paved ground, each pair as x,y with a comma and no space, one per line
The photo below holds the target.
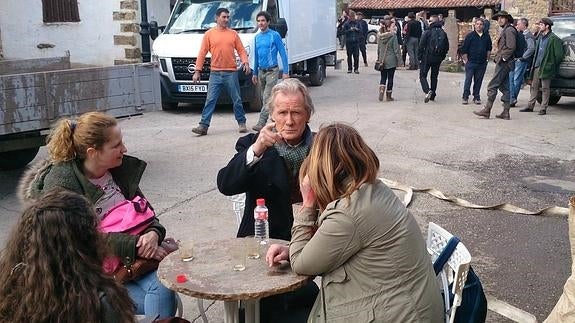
528,161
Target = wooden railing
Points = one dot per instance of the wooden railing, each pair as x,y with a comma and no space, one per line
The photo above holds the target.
562,6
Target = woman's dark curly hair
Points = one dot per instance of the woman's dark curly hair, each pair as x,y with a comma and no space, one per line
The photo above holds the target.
51,268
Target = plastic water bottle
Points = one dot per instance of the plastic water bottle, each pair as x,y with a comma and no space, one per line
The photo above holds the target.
261,232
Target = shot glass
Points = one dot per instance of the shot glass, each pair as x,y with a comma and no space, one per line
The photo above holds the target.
238,252
186,250
253,247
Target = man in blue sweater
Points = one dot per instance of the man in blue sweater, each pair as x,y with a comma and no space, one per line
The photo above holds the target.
268,43
475,53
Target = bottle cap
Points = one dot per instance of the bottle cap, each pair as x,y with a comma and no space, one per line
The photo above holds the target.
261,202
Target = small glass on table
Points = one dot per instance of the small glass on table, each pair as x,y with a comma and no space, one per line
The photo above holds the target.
238,252
186,250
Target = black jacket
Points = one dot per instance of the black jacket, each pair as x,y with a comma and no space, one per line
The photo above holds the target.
433,55
267,179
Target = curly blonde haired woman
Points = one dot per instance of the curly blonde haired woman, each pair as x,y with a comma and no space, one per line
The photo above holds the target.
88,156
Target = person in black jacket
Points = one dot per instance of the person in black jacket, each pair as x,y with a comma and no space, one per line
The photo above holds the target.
433,48
412,35
267,165
362,37
352,31
475,52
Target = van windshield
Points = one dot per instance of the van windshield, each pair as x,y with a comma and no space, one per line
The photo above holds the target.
197,16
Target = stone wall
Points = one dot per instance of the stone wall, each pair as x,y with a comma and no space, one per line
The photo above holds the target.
533,10
128,35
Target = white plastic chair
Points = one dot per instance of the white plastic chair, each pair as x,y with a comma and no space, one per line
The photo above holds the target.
455,270
238,205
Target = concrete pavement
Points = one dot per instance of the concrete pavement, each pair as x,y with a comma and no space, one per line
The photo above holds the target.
528,161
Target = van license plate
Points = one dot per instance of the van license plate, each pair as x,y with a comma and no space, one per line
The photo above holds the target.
193,88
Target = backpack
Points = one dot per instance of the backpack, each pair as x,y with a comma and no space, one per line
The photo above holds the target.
473,308
520,44
436,44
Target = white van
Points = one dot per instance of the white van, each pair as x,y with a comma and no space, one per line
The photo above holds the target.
310,42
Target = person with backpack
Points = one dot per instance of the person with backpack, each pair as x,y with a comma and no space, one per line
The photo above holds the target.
548,54
504,63
475,53
523,63
433,48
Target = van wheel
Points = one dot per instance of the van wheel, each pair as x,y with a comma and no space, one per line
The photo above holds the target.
18,158
317,72
553,99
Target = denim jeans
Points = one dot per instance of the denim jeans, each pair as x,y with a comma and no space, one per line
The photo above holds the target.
516,79
151,297
229,80
473,72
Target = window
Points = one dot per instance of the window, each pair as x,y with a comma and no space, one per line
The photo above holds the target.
60,10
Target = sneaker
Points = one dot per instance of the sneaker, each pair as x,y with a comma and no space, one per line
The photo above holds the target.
356,72
200,130
242,128
428,96
477,101
257,127
348,71
465,101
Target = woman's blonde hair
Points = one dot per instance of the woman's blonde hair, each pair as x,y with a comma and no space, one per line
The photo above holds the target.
71,139
339,163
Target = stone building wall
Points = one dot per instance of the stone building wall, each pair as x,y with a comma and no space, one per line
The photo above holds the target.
533,10
128,35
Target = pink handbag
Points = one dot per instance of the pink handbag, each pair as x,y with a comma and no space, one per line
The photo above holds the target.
130,217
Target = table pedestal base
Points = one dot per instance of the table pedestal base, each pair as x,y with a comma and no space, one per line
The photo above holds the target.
252,310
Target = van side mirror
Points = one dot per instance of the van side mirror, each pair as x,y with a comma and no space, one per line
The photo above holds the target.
154,29
280,26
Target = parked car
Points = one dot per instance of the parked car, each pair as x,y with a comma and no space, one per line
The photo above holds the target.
564,83
372,29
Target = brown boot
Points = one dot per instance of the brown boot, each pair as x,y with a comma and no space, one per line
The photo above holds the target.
388,96
505,114
485,112
381,92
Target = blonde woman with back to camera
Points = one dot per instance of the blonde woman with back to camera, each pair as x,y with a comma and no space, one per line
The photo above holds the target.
87,156
354,232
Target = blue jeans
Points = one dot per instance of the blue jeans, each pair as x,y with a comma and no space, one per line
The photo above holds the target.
151,297
516,79
229,80
473,72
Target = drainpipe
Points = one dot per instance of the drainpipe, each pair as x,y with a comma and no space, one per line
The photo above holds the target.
145,31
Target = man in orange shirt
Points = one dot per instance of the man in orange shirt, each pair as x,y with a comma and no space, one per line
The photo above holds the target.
221,42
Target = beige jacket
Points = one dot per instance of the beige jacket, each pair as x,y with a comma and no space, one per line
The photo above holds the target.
372,257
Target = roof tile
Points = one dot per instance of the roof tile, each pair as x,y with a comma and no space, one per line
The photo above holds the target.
424,4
